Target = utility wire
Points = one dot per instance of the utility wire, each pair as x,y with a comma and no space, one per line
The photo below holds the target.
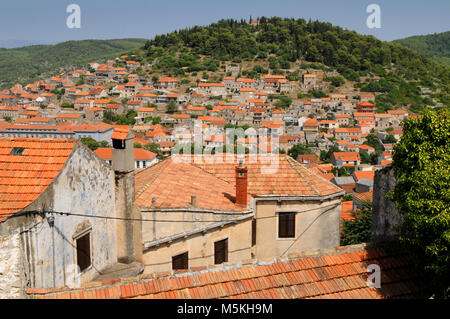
317,217
160,220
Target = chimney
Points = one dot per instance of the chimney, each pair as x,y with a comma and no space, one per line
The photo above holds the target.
241,184
129,238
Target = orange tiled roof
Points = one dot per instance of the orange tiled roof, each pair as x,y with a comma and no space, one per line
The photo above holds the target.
173,183
139,153
339,273
362,197
346,156
288,178
347,208
24,177
364,174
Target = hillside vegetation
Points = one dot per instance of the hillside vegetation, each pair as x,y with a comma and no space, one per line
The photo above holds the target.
285,42
26,64
435,46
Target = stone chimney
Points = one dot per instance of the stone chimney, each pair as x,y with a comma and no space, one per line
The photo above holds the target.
241,184
129,237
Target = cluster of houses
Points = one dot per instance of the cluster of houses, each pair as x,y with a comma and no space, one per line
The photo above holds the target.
119,211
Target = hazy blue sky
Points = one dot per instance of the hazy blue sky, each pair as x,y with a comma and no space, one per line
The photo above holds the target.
45,20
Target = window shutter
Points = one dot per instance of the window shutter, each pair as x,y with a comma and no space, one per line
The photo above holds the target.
286,225
221,251
180,261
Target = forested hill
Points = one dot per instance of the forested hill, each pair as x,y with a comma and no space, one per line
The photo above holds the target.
282,41
435,46
26,64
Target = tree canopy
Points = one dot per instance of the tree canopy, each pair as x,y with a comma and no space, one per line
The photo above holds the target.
422,195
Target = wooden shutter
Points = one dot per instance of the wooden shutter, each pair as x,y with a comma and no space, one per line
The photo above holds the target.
221,251
286,225
180,261
84,251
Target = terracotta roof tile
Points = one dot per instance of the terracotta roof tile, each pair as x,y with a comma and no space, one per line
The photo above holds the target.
307,277
24,177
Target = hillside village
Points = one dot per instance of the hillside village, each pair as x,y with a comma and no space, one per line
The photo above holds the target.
81,103
110,131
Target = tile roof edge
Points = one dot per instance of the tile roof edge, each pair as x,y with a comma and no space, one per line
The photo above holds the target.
39,292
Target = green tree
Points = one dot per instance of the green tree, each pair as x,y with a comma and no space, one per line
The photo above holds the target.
153,147
390,139
299,149
171,108
422,194
359,228
90,142
365,157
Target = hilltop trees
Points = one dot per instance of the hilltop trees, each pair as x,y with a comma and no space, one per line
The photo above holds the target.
281,42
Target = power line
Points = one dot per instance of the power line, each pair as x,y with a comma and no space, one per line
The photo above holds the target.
304,231
162,220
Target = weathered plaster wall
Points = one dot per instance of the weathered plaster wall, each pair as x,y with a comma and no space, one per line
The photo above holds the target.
11,267
385,216
84,186
314,229
200,247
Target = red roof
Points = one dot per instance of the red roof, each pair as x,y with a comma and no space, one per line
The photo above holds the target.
120,133
346,156
24,177
139,153
339,273
173,183
290,177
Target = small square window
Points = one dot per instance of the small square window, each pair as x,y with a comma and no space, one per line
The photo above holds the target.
286,225
180,261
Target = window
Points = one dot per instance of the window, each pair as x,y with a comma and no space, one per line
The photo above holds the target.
17,151
221,251
84,251
180,261
286,225
138,164
253,232
144,164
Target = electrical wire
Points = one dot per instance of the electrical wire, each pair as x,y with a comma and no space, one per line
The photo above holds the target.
304,231
162,220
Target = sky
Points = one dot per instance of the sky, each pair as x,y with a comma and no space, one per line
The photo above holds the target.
44,21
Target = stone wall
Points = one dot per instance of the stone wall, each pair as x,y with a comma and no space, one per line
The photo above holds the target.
385,216
11,274
85,186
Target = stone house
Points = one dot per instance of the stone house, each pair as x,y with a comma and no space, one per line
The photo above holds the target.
237,216
52,229
94,114
340,159
212,89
